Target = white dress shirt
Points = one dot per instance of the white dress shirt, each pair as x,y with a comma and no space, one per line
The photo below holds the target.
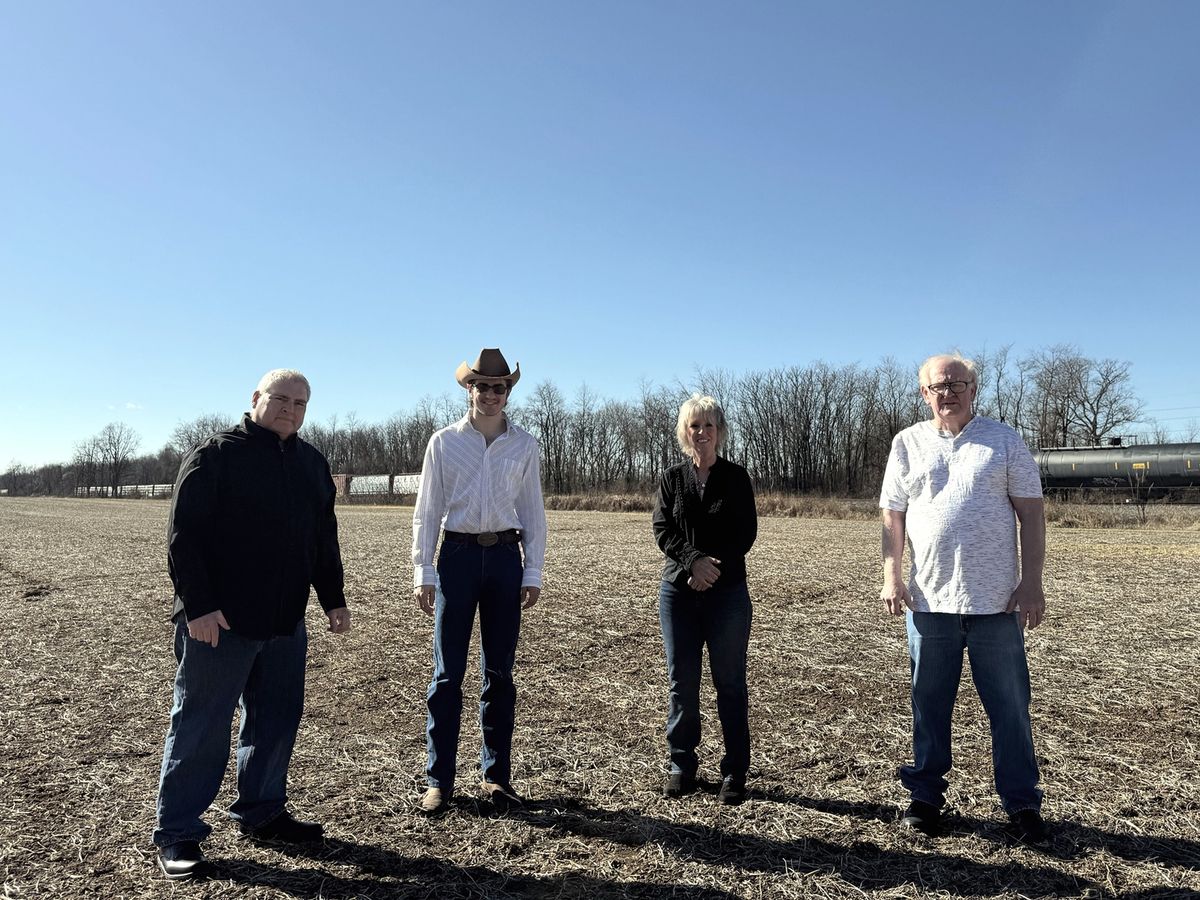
469,486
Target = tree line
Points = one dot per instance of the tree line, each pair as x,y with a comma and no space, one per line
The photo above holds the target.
813,428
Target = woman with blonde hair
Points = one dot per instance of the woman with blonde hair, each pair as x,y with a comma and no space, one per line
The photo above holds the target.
705,524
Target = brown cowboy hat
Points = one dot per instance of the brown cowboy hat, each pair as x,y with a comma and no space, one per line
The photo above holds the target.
489,364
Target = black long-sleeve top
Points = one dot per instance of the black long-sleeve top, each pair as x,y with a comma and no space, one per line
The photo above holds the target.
722,524
252,526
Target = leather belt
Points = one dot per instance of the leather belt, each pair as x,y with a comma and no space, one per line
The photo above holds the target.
487,539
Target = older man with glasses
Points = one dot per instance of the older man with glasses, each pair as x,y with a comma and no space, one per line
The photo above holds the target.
480,482
952,486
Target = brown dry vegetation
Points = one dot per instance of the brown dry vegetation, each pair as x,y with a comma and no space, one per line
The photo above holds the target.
85,667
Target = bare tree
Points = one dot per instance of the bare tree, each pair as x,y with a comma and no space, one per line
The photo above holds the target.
50,480
17,479
117,443
817,427
1102,400
85,465
1055,373
188,435
548,419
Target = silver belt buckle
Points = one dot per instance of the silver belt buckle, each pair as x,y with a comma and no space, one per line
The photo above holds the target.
487,539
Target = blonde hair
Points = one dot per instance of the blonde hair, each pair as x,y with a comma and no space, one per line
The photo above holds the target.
704,405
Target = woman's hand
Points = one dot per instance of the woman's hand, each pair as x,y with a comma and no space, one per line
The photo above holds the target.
705,572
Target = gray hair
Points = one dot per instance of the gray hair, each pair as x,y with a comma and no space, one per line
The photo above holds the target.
706,405
276,376
968,364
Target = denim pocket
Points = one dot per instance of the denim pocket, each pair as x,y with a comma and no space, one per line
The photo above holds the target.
450,549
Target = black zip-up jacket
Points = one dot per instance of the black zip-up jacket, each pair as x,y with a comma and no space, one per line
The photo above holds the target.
252,526
722,524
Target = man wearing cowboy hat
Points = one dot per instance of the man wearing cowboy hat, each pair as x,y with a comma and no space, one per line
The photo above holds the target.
481,481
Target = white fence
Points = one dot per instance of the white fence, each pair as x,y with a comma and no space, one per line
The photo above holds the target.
348,485
379,485
128,490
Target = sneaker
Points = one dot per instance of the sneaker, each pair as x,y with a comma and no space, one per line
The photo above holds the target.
182,860
434,801
286,829
678,784
503,796
733,790
1026,826
922,817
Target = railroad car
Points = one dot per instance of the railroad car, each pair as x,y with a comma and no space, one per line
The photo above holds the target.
1156,468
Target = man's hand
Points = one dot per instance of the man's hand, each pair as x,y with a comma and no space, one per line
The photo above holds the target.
705,572
1029,599
339,620
207,628
530,595
895,594
1029,603
424,597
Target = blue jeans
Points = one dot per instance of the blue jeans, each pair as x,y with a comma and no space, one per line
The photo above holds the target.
487,579
997,651
267,677
720,619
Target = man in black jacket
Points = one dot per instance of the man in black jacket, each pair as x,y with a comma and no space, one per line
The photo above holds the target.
252,527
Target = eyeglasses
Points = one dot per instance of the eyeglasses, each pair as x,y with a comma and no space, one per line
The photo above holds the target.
483,387
948,387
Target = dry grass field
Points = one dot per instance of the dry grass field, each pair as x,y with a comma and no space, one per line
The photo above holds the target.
85,668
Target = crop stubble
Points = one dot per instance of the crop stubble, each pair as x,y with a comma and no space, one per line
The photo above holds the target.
85,665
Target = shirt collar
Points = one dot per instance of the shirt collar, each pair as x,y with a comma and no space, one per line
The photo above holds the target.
464,426
259,433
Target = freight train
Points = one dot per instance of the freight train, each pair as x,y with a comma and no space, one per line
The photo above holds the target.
1146,470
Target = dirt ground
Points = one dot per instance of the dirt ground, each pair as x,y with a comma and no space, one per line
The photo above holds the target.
86,666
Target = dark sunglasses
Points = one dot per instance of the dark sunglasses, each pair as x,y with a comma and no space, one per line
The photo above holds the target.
483,387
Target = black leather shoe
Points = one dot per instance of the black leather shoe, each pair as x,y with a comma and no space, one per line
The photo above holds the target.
286,829
503,797
182,860
922,817
1026,826
678,784
733,790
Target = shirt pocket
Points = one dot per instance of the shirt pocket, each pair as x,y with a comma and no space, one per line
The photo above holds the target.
509,475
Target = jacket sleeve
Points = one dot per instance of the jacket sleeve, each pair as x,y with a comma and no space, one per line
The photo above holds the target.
329,576
669,536
191,534
744,528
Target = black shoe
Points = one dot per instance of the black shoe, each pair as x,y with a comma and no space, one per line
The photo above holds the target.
1026,826
733,790
503,797
678,784
922,817
286,829
182,860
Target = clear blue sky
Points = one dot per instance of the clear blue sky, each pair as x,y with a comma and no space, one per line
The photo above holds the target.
191,194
